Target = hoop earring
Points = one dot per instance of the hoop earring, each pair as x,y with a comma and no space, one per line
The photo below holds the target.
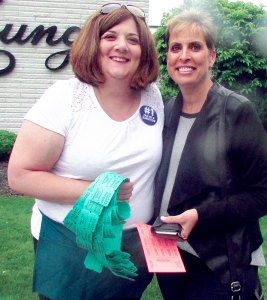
211,73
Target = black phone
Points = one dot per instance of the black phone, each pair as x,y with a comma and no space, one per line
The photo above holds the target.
166,230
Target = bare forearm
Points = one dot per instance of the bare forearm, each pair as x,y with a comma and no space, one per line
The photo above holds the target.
47,186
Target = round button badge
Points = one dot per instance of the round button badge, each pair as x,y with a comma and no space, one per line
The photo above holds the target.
148,115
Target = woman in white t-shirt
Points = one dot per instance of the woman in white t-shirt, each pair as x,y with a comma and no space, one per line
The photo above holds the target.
108,118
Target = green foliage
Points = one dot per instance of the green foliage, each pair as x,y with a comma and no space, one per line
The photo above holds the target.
167,87
262,270
241,63
7,140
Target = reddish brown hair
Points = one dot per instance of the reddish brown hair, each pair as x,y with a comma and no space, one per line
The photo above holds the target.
84,55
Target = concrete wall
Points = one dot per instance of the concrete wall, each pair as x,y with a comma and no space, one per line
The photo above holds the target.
21,87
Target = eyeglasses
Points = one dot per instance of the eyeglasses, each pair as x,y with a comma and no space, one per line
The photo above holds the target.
110,7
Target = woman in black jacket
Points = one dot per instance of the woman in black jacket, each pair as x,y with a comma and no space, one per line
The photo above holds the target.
213,175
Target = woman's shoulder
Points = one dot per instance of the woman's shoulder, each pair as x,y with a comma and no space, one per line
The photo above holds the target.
152,88
233,97
151,96
59,91
71,93
71,83
234,102
239,109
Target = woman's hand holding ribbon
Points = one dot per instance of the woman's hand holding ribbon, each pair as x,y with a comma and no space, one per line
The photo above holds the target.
125,191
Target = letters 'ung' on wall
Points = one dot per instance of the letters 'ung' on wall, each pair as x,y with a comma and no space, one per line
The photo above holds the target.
35,38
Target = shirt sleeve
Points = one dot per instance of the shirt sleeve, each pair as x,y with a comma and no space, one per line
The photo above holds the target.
53,110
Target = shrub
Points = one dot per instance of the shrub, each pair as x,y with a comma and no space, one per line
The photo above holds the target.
241,62
7,140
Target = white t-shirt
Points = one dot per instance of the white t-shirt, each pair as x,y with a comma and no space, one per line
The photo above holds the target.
94,143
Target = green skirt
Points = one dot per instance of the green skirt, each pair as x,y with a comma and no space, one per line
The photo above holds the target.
60,274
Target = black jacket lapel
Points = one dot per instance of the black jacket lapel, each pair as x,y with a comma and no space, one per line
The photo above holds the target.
187,182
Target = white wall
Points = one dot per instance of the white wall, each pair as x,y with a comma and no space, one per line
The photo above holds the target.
20,89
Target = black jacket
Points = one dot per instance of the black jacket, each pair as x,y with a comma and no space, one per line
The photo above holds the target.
198,179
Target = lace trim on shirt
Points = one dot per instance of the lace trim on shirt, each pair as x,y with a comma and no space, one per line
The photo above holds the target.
151,96
82,99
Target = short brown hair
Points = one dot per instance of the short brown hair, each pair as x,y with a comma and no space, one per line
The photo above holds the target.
84,55
197,19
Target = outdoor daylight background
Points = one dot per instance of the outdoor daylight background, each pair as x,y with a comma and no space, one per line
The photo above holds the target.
241,65
158,7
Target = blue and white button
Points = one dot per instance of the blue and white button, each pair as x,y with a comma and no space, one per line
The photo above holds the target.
148,115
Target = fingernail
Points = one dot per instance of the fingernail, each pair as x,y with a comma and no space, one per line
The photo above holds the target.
163,218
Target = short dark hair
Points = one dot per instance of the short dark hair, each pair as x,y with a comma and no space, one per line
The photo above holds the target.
197,19
85,53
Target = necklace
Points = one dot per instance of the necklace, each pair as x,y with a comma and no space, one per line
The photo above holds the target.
124,118
105,108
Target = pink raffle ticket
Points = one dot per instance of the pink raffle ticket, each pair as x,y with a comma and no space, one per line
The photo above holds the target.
161,254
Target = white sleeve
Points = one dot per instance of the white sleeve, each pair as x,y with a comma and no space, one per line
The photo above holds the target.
53,110
155,100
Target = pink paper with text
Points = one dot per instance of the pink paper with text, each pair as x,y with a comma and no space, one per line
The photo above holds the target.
161,254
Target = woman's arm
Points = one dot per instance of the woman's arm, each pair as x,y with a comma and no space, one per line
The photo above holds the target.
248,156
35,152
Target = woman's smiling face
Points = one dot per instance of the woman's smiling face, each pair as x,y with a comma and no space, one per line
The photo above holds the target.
188,58
120,51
